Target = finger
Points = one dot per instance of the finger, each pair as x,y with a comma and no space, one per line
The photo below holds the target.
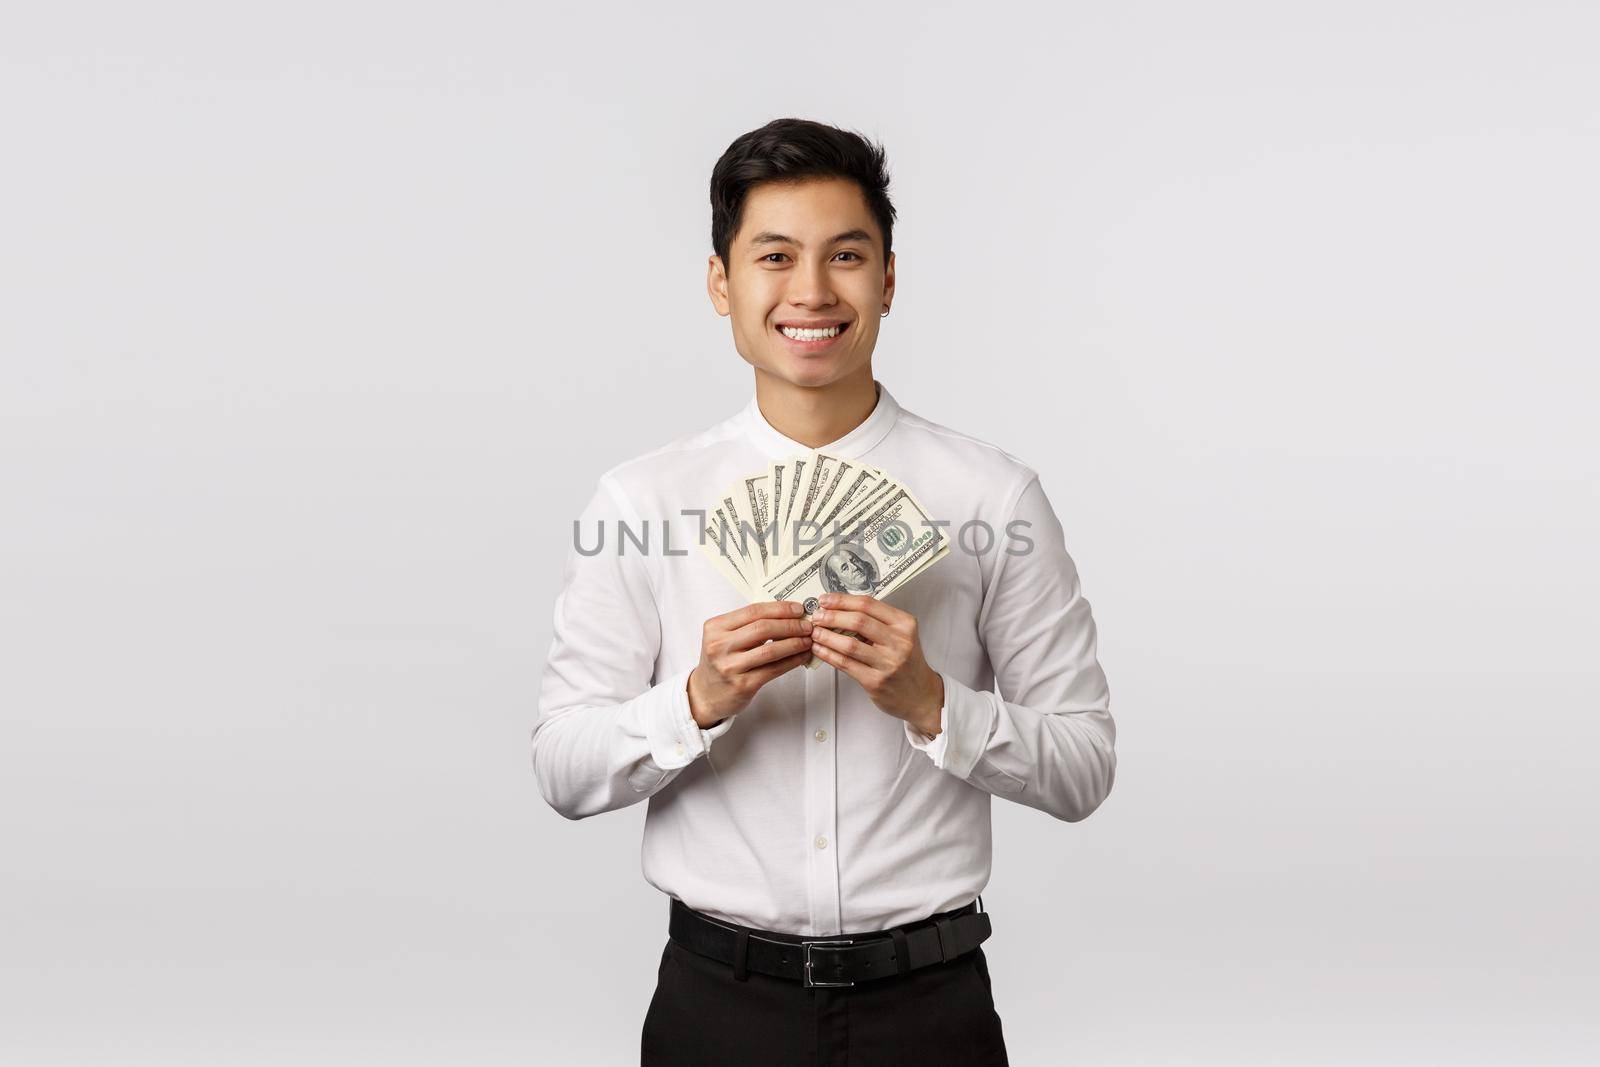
859,621
752,634
853,667
763,675
870,605
762,655
846,645
765,609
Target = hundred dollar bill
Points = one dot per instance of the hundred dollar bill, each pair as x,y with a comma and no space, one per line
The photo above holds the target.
818,482
776,471
719,543
796,478
808,533
744,532
880,548
841,485
757,504
861,484
837,484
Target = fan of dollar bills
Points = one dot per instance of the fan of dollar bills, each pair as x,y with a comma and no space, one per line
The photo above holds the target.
815,523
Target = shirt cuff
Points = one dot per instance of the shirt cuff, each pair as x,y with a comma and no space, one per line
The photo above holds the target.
966,721
676,740
933,746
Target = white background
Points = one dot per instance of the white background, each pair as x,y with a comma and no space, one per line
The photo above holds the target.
320,320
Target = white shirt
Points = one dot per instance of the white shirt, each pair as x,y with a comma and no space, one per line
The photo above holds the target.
811,811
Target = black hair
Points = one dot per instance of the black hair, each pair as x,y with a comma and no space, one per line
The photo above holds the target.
792,150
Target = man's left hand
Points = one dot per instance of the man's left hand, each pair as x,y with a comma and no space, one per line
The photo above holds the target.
886,656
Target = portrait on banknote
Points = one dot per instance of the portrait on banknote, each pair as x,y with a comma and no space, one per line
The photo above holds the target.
848,569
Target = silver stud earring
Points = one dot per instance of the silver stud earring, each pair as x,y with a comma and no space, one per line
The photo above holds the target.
885,313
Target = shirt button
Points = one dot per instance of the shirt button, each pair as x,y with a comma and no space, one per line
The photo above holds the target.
821,842
678,748
821,735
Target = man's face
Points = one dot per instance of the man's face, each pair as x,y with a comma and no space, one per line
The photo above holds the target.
807,253
851,572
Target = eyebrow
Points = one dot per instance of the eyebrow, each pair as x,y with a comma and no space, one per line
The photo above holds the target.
767,237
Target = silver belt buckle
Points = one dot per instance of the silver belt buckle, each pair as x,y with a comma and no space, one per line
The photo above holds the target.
805,948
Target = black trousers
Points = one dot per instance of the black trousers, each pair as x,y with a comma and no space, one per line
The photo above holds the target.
702,1015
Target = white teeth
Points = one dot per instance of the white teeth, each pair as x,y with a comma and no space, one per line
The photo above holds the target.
809,335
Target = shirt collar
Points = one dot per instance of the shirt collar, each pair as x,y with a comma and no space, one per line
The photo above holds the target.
856,443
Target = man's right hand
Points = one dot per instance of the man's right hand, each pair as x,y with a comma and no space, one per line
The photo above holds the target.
742,651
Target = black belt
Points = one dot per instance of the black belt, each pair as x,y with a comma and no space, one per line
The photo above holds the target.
831,961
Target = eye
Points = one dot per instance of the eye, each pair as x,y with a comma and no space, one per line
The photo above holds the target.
768,257
849,253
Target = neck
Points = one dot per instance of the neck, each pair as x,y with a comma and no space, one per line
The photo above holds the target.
820,415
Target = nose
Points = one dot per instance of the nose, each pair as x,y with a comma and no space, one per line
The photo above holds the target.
809,286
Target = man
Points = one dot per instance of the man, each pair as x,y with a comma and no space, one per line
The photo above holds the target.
848,570
822,834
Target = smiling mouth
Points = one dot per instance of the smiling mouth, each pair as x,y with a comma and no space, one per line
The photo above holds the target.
813,335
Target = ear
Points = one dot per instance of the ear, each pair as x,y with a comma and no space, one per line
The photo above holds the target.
717,284
888,280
